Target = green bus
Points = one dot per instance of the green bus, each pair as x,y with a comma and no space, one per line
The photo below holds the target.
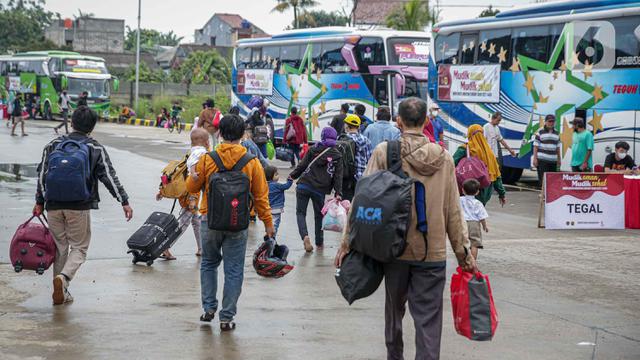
47,73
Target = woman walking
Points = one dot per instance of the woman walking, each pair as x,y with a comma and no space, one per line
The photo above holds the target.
16,117
479,148
320,171
295,134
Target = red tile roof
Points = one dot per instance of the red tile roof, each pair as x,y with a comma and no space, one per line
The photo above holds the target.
372,12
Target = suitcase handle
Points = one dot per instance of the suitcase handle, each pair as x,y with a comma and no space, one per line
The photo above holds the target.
44,223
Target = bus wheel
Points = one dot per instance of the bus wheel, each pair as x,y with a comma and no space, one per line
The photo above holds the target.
511,175
47,112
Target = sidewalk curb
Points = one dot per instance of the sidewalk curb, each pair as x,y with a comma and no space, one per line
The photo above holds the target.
139,122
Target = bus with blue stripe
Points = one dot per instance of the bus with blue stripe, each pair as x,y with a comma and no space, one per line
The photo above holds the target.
317,70
569,58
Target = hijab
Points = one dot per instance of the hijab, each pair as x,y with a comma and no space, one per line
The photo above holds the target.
328,136
479,148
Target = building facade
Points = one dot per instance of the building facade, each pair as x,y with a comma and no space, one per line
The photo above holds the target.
88,34
225,29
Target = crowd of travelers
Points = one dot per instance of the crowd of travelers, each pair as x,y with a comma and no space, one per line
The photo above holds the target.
352,148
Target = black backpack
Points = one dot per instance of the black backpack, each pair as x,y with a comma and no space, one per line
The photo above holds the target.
261,134
229,199
381,210
347,148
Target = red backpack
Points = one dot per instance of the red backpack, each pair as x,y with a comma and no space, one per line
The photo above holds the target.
32,247
472,168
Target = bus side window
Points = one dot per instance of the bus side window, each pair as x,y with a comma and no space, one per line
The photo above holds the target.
446,49
491,42
291,55
468,49
243,57
555,31
256,58
332,59
270,56
530,41
316,55
627,44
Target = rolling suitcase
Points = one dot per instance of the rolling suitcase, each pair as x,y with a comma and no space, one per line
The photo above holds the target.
32,247
158,233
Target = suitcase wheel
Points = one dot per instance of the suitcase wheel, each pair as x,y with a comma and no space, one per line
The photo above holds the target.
40,271
18,266
134,261
149,262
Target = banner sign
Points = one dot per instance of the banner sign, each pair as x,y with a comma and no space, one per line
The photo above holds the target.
584,201
416,52
255,82
469,83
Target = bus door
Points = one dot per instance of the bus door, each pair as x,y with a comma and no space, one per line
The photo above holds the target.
379,87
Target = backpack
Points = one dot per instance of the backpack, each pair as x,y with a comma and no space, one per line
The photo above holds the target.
381,210
472,168
260,134
174,179
68,176
229,199
347,147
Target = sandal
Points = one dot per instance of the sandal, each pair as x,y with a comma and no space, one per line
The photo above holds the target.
227,325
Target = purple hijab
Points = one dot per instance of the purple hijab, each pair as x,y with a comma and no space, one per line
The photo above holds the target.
328,136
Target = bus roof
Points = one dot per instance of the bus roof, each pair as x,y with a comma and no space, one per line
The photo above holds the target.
559,8
328,32
57,54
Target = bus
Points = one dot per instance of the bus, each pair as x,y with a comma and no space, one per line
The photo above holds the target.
317,70
570,58
47,73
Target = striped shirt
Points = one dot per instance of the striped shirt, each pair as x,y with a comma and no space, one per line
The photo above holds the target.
548,143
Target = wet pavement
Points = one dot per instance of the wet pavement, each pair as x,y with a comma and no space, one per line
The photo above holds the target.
559,294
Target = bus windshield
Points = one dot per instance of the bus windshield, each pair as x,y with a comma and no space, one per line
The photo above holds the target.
84,66
97,88
408,51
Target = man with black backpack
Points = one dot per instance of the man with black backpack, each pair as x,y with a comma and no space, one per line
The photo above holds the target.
416,271
231,178
67,188
356,151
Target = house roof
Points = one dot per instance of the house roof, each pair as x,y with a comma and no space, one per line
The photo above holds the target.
375,12
235,22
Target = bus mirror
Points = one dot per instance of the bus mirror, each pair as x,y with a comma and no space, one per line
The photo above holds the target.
64,82
400,84
349,56
116,83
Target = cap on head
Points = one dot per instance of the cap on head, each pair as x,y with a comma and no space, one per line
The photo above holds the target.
352,120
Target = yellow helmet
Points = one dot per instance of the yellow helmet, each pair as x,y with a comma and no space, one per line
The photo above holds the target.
352,119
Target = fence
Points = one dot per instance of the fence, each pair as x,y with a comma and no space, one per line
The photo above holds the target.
126,92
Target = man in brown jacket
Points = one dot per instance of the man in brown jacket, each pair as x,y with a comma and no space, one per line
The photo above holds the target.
419,275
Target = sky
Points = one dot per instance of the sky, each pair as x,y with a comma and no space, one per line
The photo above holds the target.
184,16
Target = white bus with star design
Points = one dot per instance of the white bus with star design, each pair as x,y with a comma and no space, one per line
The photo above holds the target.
569,58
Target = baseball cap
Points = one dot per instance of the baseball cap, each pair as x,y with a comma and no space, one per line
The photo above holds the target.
352,119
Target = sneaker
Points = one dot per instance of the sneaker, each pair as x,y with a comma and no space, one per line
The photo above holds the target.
59,290
227,325
307,244
208,316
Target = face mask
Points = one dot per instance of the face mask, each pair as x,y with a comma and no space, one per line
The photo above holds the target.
622,155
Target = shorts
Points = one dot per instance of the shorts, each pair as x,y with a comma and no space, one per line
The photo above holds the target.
475,234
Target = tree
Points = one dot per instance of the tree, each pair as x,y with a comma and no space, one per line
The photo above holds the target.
150,39
284,5
83,15
203,67
313,18
489,12
22,25
146,74
412,15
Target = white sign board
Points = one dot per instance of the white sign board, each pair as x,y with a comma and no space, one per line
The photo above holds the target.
257,82
469,83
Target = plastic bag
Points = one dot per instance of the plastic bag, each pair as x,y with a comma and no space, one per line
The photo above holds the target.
359,276
474,313
271,150
335,215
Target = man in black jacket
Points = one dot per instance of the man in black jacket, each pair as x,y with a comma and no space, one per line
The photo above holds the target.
338,121
70,221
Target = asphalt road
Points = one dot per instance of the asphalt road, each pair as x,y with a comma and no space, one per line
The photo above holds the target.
559,294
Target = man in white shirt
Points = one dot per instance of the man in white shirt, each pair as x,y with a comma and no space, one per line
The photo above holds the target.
63,101
493,135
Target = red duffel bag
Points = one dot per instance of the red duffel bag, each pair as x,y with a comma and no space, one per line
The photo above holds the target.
474,313
472,168
32,247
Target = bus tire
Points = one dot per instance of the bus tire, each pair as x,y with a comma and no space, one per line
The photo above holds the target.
511,175
47,111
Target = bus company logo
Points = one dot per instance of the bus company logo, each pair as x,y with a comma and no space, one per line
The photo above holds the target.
371,216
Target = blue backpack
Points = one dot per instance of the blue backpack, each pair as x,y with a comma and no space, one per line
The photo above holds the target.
69,173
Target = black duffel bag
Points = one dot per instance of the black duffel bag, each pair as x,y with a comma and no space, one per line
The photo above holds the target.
359,276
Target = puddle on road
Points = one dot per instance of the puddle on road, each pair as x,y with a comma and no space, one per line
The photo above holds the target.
18,172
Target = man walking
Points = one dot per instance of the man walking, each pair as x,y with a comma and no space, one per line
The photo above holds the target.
494,137
582,147
547,154
69,200
361,147
418,276
382,130
227,246
338,121
63,101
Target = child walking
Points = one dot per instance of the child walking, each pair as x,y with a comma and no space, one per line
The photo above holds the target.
276,194
474,213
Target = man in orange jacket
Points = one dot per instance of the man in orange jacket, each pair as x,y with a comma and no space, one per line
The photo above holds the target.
227,246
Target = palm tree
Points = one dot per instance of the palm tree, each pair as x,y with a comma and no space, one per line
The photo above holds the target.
412,15
284,5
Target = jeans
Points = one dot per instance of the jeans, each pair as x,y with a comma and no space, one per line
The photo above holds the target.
302,201
543,167
218,246
276,221
295,148
263,149
65,121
